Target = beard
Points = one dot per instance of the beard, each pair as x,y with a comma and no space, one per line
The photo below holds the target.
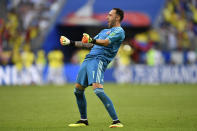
111,24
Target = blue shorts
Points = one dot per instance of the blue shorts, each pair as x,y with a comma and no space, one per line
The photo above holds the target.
91,71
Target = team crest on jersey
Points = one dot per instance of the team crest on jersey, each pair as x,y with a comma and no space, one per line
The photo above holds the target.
108,32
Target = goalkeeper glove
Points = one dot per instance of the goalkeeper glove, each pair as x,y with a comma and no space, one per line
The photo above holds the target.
64,40
87,39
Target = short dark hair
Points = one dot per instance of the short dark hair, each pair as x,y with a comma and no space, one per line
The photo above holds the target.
120,13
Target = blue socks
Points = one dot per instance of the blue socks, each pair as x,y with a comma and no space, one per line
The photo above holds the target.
107,102
81,102
82,105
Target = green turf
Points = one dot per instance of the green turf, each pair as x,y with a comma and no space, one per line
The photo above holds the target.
139,107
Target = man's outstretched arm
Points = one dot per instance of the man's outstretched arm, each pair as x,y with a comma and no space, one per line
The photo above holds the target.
86,41
80,44
65,41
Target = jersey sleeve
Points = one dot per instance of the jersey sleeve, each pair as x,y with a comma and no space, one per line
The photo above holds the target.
115,36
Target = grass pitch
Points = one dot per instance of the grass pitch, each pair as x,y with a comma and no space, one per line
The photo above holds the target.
139,107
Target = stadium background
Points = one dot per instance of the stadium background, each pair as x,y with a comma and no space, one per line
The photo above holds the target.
152,80
160,38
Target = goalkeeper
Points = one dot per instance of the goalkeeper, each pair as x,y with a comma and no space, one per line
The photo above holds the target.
104,48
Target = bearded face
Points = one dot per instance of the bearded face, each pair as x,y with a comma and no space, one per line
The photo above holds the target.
111,18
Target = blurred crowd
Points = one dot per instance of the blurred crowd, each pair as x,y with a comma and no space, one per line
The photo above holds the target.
173,41
23,27
37,68
179,25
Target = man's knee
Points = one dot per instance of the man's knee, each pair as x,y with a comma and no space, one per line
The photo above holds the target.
97,85
80,87
98,88
79,90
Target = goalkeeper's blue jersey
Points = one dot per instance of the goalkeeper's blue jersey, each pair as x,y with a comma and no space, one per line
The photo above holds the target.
106,53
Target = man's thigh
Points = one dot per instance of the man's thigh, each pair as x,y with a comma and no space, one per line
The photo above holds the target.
82,77
95,72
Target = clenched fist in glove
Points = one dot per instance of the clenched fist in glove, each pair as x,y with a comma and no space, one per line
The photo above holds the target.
64,40
87,39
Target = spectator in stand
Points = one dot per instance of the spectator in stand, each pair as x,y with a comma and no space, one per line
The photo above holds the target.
172,39
177,58
2,28
191,57
31,75
55,70
141,44
17,61
163,36
40,64
122,72
154,57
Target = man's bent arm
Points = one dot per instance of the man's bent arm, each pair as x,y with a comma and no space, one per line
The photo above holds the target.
102,42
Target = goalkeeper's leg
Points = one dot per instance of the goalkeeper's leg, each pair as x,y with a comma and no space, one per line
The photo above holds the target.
108,105
80,96
95,73
105,100
81,102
